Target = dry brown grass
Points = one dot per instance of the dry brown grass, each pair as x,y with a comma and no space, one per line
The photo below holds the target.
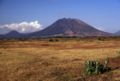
54,61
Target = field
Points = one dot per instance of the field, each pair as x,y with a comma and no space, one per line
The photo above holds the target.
57,59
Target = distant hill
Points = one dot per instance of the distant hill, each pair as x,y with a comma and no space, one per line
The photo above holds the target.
69,27
14,34
65,27
117,33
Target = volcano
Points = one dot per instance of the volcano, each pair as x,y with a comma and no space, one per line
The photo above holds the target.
69,27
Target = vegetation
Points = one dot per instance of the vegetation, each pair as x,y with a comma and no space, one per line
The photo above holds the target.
95,67
53,40
42,60
118,53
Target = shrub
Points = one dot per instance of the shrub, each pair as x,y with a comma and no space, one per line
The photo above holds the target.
95,67
53,40
101,38
118,53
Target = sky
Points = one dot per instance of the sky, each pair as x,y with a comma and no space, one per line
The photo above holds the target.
34,15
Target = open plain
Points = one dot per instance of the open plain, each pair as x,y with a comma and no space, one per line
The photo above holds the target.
57,59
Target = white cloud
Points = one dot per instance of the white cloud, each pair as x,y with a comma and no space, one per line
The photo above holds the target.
23,27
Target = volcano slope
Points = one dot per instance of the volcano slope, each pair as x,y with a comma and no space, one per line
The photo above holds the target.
57,59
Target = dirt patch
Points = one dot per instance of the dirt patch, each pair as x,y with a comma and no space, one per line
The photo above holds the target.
115,63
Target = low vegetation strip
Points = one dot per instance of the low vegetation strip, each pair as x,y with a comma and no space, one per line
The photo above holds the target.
61,43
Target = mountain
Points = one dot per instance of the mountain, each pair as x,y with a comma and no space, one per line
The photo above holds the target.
69,27
117,33
13,34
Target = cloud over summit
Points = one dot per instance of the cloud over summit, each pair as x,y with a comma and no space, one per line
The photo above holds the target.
23,27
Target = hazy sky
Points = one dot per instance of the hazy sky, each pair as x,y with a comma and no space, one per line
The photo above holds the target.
102,14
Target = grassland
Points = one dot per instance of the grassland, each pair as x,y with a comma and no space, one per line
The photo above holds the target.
61,60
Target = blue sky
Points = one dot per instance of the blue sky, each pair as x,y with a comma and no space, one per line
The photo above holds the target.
102,14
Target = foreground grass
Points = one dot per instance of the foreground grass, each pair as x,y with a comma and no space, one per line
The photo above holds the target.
54,61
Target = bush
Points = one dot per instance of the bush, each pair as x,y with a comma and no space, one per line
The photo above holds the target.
118,53
101,38
53,40
95,67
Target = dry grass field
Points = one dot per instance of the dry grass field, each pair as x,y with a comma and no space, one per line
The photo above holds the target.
42,60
